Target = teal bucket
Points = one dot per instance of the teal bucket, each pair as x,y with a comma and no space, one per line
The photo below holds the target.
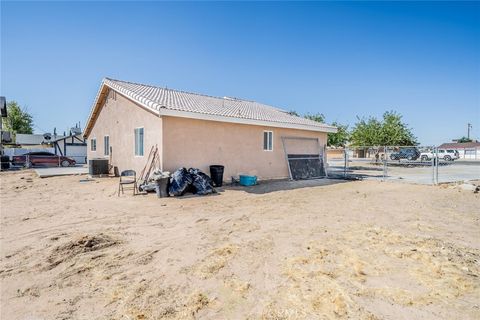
248,180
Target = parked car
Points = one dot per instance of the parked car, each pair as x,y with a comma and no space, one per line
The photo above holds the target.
43,158
445,154
409,153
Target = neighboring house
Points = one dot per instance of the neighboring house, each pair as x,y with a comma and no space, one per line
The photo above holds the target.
27,140
194,130
73,146
466,150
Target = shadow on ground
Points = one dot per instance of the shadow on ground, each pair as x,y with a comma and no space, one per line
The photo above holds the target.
281,185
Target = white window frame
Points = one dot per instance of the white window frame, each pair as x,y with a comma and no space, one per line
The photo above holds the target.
106,154
91,145
135,141
271,140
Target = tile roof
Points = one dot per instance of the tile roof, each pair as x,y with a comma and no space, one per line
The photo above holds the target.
459,145
159,99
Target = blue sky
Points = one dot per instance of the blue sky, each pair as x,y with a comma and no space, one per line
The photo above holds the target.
344,60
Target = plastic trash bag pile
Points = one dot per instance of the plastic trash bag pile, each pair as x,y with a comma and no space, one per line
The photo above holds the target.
191,180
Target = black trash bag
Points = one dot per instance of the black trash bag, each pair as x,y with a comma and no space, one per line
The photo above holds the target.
202,183
180,181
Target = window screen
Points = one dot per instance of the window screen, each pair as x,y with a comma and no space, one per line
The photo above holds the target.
139,141
106,145
268,140
93,144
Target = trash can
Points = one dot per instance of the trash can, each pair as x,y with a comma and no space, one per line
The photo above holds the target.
162,187
5,163
216,173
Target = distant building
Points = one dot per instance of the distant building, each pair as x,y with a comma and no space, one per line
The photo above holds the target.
466,150
73,146
33,140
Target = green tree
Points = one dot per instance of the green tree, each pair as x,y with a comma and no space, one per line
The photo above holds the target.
340,138
464,139
366,132
390,131
394,132
18,120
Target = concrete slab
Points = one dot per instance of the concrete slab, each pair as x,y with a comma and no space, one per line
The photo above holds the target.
61,171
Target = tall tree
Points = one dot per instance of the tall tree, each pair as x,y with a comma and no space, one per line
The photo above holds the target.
395,132
366,132
18,119
390,131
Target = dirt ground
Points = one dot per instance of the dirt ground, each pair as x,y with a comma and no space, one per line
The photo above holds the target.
71,249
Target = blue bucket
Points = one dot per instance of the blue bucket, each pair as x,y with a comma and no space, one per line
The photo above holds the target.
248,180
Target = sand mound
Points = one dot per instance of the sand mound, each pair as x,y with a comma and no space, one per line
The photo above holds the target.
83,244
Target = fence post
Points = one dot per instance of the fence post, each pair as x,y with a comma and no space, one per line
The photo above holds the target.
345,156
384,163
436,167
433,165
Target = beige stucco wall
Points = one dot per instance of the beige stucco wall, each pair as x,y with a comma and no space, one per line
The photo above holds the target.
118,118
239,147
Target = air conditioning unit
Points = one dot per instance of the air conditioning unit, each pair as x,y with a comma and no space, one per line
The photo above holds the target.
98,167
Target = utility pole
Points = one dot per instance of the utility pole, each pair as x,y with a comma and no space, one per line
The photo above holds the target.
469,126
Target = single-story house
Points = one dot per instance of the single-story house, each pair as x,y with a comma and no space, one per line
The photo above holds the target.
466,150
195,130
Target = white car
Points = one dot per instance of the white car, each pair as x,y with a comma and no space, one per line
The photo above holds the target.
443,154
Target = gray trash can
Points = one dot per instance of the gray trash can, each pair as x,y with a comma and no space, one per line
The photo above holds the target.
162,187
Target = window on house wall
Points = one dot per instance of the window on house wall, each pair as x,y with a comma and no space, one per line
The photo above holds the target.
106,145
267,140
139,141
93,144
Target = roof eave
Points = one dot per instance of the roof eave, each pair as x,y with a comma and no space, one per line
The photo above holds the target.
209,117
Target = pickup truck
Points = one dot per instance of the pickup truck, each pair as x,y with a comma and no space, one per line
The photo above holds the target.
444,154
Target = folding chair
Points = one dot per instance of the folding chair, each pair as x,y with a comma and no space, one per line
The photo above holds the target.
127,177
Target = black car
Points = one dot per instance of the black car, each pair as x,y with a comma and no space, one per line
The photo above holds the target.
409,153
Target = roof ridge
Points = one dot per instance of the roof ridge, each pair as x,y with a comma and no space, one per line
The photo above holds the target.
195,93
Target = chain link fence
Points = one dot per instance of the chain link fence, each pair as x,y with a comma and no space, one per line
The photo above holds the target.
414,164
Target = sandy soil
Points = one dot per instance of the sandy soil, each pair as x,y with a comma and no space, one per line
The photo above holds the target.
302,250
